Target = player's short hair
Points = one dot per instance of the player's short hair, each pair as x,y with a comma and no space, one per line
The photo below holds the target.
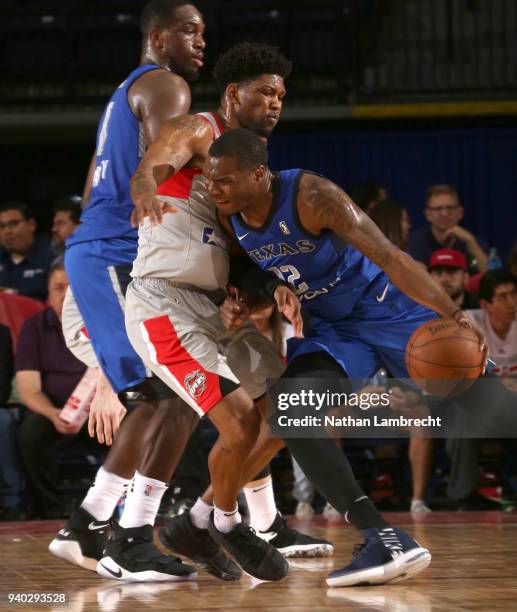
246,61
491,280
435,190
159,14
69,204
246,146
25,211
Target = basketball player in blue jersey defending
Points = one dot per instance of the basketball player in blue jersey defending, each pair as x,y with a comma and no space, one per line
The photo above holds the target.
98,261
361,294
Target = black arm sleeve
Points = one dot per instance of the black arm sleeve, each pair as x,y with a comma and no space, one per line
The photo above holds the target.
248,277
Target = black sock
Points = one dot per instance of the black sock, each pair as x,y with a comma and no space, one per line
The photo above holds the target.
364,515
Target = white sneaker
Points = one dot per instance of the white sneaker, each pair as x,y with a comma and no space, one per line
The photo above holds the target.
330,512
304,510
419,506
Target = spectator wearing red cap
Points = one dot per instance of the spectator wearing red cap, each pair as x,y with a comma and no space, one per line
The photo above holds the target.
444,212
449,268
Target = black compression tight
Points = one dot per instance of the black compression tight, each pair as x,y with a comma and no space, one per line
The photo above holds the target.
324,464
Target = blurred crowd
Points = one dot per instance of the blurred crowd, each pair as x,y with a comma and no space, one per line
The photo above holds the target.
38,373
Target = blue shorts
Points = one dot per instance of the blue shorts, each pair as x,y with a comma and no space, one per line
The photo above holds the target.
98,272
374,335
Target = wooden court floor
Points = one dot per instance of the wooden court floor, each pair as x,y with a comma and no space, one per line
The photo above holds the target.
474,568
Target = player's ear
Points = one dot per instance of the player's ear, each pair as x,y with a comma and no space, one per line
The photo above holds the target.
156,36
232,94
259,173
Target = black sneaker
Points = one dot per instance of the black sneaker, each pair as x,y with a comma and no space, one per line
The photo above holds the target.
82,540
256,556
386,555
131,555
184,538
292,543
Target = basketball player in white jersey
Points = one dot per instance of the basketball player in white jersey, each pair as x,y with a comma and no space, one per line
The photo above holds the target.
180,274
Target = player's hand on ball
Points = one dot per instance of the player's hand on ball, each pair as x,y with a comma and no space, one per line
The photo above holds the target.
234,313
106,414
289,305
151,207
462,319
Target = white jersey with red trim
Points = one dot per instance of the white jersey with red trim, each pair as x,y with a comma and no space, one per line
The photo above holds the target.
503,352
188,246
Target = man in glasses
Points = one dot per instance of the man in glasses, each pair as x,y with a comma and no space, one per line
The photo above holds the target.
444,212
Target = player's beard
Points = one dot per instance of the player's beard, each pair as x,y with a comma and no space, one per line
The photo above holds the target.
256,126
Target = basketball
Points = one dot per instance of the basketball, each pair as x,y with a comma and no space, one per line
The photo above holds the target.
443,358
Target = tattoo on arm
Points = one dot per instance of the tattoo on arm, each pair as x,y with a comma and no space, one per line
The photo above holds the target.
331,208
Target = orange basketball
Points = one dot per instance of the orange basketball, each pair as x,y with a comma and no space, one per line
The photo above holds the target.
443,358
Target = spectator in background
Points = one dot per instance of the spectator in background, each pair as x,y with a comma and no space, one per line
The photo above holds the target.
393,220
46,375
11,476
368,194
444,211
67,213
497,318
449,268
24,258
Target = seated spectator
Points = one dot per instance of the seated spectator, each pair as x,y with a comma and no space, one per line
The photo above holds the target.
24,258
497,318
11,475
46,375
368,194
393,220
449,268
67,212
444,211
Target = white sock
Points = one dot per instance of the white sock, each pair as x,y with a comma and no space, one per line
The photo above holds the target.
261,503
142,501
200,513
103,495
225,521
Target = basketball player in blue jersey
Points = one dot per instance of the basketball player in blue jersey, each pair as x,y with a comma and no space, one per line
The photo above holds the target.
98,260
361,294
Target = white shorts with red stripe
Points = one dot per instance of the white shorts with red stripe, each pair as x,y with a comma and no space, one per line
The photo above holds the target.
74,331
178,333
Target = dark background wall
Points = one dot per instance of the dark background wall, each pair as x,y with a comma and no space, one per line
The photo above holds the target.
480,162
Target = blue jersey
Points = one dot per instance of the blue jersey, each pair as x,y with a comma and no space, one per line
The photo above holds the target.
330,276
120,146
356,315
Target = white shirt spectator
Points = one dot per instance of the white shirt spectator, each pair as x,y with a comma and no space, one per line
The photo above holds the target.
503,352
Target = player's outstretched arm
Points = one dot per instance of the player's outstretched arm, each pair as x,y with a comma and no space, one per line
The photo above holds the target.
323,206
178,141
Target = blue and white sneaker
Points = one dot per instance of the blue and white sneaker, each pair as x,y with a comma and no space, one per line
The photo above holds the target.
386,555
